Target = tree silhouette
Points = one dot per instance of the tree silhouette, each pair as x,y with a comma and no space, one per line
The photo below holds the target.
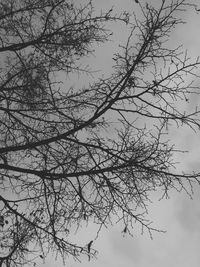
93,153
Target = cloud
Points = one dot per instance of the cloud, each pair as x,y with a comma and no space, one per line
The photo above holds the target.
188,214
127,247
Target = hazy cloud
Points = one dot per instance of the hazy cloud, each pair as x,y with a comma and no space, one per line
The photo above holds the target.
127,247
188,214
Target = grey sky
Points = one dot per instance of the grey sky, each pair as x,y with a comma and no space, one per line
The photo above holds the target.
179,215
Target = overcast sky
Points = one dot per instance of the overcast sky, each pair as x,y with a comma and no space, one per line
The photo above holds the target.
179,215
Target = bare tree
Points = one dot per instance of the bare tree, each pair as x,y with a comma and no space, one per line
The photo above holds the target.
68,154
